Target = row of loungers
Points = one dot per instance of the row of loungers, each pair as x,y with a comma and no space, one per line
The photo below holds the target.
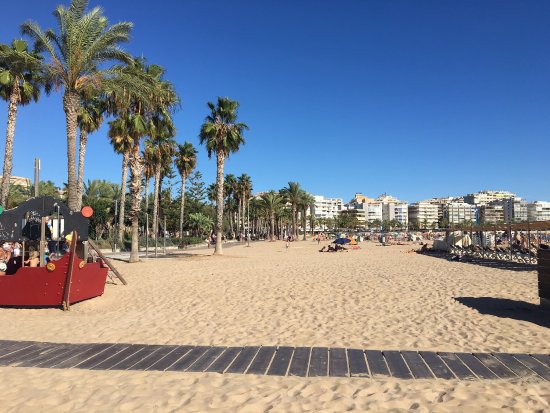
518,254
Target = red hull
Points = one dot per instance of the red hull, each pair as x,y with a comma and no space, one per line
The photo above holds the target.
39,287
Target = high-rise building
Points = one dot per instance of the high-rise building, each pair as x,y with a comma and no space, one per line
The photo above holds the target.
423,214
327,207
515,210
398,211
491,213
458,212
485,197
538,211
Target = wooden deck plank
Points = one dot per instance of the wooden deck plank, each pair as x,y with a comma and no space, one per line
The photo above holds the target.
437,365
11,346
171,358
262,360
184,362
130,361
318,363
55,352
495,365
417,366
243,360
337,363
281,362
25,354
357,363
397,366
224,360
542,358
75,350
300,362
207,359
377,363
476,366
80,357
119,357
457,366
102,356
511,363
534,365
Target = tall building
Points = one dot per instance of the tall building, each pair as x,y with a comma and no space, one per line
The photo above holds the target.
441,203
485,197
398,211
457,212
515,210
491,213
423,214
327,207
538,211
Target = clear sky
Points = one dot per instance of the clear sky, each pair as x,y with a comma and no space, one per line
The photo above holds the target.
414,98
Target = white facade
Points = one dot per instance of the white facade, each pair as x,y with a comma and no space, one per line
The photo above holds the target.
485,197
457,212
538,211
396,211
423,213
515,210
327,207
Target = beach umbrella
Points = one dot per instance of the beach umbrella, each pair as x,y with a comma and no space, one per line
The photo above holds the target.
341,241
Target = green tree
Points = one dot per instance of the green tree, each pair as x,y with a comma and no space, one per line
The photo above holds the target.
20,82
292,194
222,135
197,188
186,161
271,202
80,52
200,223
305,204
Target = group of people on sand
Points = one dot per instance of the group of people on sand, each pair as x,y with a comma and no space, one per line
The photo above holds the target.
336,248
11,255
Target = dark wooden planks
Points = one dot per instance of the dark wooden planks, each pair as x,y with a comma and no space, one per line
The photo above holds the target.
458,367
281,362
357,363
476,366
510,362
437,365
318,363
207,359
534,365
543,358
91,351
338,363
131,361
377,364
224,360
118,357
11,346
101,356
417,365
398,368
300,362
25,353
184,362
495,365
261,362
242,361
171,358
56,352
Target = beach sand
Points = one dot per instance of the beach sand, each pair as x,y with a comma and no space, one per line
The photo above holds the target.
375,298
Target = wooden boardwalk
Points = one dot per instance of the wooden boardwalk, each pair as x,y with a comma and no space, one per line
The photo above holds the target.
277,361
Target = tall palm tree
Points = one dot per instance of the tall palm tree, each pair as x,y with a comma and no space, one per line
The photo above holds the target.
229,187
148,159
222,135
90,118
306,201
244,189
80,53
20,82
271,202
212,193
122,143
292,194
186,161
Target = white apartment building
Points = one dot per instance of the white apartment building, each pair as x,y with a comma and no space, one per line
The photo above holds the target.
485,197
515,210
396,211
327,207
423,213
457,212
491,213
538,211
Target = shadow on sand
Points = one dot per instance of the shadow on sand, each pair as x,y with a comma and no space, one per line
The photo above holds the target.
506,308
503,265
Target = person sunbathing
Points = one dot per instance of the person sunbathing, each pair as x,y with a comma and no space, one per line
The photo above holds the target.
322,249
331,249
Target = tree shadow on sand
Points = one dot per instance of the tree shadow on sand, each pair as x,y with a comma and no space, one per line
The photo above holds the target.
506,308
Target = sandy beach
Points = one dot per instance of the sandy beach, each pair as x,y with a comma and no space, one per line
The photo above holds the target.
374,298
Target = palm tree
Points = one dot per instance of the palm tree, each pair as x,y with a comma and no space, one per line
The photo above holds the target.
222,135
148,159
122,143
292,194
186,161
271,202
212,193
244,189
230,186
20,82
306,201
80,52
90,118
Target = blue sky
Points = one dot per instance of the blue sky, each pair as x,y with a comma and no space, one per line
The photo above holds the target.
414,98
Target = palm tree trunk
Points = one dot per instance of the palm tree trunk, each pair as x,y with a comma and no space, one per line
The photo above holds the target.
272,219
136,168
10,135
125,159
304,223
71,103
81,156
182,203
156,203
294,219
220,159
